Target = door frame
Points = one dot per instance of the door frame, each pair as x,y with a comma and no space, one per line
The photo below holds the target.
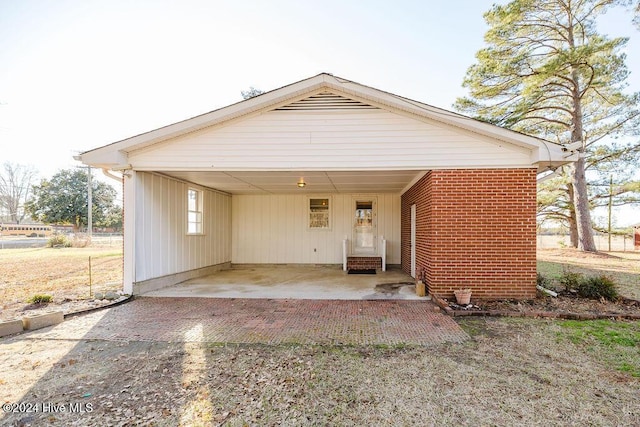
374,224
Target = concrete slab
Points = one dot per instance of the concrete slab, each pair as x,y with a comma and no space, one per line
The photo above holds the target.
296,282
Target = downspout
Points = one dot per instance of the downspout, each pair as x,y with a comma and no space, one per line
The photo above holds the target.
108,173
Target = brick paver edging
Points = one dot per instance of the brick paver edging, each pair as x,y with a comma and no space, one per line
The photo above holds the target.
530,314
102,307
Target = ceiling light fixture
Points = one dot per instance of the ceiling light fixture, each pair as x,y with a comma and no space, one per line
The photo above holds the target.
301,183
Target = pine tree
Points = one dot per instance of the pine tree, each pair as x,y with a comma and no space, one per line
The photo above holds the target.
547,72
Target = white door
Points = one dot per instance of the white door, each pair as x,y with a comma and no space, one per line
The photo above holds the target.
364,226
413,241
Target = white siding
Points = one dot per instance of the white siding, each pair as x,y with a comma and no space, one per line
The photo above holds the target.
162,244
331,140
273,229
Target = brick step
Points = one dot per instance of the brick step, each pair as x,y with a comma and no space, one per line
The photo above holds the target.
364,262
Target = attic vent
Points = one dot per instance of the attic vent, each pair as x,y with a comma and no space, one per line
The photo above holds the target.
326,101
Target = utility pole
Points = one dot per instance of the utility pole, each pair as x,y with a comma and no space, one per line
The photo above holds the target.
90,206
89,199
610,206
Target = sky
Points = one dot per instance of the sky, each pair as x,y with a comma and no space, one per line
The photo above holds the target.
78,74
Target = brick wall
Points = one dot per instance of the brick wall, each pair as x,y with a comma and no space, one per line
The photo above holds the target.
474,229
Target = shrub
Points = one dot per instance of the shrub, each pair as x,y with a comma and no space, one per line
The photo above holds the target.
58,241
40,299
598,287
571,279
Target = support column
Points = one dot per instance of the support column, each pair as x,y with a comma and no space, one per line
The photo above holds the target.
129,230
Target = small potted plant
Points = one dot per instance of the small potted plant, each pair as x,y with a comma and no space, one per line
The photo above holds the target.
463,296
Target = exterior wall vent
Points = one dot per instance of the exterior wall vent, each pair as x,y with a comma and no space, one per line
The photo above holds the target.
326,101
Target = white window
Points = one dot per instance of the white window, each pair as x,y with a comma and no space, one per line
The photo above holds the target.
319,213
194,211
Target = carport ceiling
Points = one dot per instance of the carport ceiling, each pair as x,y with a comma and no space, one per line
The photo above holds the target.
285,182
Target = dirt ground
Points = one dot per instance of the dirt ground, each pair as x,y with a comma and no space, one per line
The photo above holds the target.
512,372
62,273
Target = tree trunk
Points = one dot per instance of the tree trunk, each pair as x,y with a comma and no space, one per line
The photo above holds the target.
579,182
581,207
573,225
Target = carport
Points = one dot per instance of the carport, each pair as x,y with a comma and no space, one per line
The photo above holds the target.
329,173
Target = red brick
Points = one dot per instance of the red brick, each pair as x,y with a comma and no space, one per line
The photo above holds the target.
474,229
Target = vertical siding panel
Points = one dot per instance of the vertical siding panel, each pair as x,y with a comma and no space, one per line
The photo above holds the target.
214,246
208,241
148,225
301,219
267,222
273,241
245,229
221,230
177,225
292,230
178,230
222,241
215,243
347,218
224,251
161,229
284,241
273,229
381,220
386,227
156,224
226,230
248,248
171,227
235,232
258,228
139,221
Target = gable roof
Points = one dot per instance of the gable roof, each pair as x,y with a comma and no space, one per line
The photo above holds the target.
326,91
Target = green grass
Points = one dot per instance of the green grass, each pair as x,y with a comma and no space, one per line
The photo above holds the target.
615,343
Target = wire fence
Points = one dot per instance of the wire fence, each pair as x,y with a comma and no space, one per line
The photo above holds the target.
618,243
106,239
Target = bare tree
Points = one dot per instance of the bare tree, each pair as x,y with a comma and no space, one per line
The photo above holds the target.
15,187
